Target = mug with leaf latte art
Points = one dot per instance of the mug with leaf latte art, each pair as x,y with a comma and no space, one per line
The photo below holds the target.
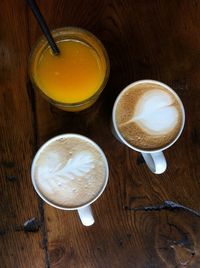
70,172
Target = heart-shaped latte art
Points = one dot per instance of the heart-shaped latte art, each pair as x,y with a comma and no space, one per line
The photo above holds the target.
155,112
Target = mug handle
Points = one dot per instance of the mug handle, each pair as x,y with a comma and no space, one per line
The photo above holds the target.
155,161
86,215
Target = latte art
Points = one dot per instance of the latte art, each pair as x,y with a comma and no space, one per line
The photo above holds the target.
78,166
70,172
155,113
148,116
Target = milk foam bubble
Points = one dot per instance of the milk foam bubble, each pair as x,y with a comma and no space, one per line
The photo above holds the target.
154,112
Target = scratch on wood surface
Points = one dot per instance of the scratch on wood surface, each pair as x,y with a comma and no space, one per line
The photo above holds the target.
167,205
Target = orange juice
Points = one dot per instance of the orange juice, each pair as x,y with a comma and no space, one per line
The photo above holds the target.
74,79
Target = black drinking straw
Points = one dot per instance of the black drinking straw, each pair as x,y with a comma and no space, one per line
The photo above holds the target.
43,26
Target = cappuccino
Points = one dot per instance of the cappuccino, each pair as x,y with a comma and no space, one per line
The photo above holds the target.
69,171
148,115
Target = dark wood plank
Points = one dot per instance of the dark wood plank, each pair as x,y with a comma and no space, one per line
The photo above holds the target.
19,203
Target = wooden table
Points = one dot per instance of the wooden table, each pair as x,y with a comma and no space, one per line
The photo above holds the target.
144,39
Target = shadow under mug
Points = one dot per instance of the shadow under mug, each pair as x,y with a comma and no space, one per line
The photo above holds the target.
154,159
84,211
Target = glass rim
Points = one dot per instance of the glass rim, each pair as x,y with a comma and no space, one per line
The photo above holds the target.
67,30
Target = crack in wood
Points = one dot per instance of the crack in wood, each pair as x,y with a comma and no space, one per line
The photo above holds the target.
32,99
44,234
166,205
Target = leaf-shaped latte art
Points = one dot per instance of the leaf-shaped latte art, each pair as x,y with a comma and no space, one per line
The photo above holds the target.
77,166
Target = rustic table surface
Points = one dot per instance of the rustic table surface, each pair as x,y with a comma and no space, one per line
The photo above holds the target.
144,39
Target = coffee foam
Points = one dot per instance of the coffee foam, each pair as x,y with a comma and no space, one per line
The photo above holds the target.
148,116
70,172
155,112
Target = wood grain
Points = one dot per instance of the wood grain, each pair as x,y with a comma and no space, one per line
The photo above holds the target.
18,203
144,39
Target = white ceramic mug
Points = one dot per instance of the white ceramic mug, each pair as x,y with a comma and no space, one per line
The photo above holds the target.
154,159
85,211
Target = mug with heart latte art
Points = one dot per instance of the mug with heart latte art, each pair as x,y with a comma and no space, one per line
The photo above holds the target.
148,117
